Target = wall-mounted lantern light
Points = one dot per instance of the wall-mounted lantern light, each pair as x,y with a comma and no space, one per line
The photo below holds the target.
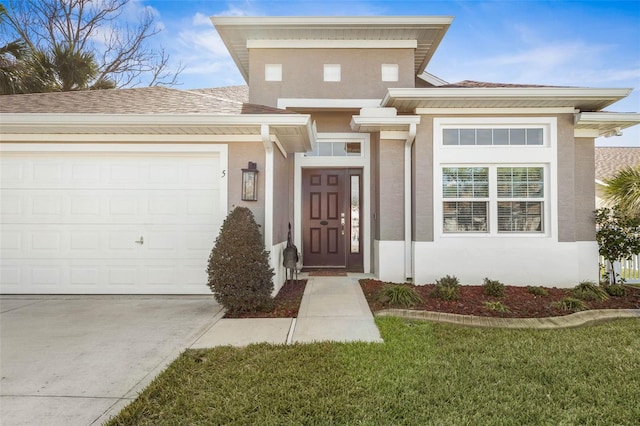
250,183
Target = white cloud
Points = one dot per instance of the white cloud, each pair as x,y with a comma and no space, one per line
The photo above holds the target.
201,20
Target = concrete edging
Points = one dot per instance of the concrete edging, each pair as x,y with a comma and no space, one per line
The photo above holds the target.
577,319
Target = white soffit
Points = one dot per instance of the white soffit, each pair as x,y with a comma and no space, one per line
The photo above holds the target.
239,32
604,123
584,99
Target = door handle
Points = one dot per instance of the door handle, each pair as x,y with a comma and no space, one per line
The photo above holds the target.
140,241
342,222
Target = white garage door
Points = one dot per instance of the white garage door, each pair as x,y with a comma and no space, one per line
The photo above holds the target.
109,223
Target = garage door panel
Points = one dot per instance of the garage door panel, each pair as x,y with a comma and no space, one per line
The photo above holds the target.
70,222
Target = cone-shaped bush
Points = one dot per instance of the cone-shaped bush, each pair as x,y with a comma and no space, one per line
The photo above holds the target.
239,273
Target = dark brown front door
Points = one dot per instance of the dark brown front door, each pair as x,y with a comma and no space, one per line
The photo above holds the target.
331,218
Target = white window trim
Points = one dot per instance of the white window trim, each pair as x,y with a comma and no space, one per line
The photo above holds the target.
494,156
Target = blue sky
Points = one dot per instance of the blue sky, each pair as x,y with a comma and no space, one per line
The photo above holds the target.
572,43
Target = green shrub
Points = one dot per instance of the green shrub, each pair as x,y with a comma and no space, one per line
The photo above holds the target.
537,291
493,288
496,306
399,295
571,304
588,290
447,288
239,273
616,290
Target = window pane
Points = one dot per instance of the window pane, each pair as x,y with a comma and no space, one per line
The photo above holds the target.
339,149
501,136
355,214
465,216
504,182
449,182
354,149
450,137
467,136
517,137
520,182
465,182
484,136
534,136
520,216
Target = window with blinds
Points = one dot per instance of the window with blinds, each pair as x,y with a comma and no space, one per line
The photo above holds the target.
514,194
465,192
519,188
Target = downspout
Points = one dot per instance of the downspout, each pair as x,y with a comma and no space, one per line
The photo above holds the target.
268,187
408,228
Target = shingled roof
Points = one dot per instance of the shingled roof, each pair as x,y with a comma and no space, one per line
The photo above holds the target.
472,83
230,100
610,160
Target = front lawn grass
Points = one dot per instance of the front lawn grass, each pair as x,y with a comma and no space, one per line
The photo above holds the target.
423,374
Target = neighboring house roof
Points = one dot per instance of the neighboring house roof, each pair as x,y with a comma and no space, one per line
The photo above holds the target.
610,160
421,33
472,83
146,100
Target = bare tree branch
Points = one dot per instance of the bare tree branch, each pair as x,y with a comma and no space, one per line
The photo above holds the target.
122,50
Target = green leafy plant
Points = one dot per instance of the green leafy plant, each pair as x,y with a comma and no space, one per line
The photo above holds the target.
588,290
496,306
493,288
537,291
571,304
618,237
616,290
446,288
239,273
399,295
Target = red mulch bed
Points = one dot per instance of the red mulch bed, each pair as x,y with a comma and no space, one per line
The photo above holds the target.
285,304
520,302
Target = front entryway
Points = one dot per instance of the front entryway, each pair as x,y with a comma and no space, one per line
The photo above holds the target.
331,218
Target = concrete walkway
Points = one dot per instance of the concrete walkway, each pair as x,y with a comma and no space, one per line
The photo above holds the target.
332,309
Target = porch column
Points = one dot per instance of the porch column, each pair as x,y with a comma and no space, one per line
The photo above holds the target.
408,245
268,186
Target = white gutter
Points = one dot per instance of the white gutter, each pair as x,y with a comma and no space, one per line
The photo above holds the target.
268,187
408,246
160,120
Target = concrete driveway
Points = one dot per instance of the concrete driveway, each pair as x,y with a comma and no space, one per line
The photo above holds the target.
78,360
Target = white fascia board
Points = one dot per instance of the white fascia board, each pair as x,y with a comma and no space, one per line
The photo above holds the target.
339,21
500,111
607,117
502,92
332,44
284,103
160,120
586,133
432,79
358,121
126,138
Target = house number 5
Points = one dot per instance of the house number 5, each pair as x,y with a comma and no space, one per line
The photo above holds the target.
224,173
